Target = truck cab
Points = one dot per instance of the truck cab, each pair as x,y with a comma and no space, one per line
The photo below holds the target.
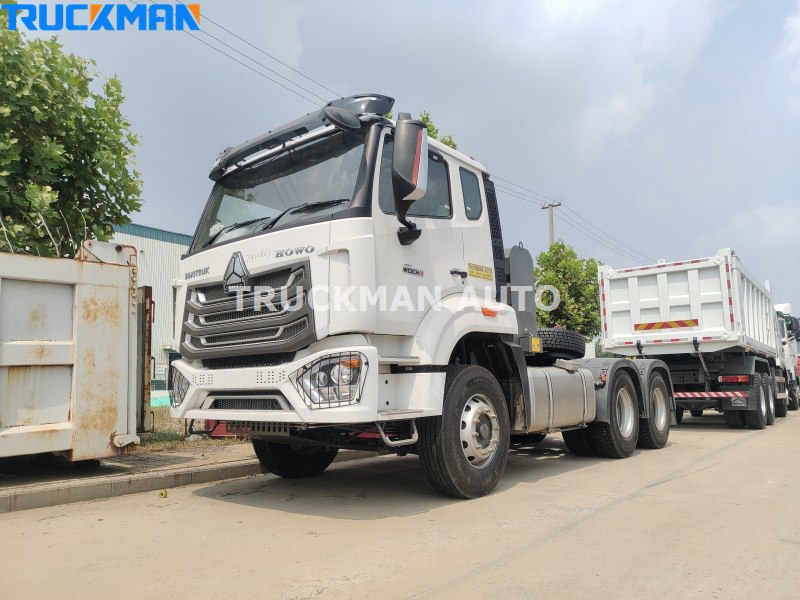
346,287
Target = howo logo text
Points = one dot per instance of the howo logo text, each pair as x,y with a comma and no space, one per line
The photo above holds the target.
103,17
294,251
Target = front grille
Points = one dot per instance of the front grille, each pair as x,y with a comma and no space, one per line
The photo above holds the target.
274,279
255,360
246,337
225,325
246,404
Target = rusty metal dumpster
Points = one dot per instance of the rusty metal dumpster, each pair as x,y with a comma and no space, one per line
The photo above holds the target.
68,341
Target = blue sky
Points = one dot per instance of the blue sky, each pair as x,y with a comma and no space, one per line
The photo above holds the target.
671,126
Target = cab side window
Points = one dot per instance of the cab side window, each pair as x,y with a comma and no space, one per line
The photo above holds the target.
436,201
472,194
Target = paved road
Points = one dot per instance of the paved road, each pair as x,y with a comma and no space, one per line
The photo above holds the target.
716,514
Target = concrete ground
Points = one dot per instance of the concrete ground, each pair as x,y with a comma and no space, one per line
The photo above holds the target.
716,514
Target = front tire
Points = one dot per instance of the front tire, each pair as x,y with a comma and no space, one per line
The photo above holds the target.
464,451
293,461
617,439
654,431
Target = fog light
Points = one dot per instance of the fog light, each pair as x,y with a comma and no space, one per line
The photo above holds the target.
178,388
333,380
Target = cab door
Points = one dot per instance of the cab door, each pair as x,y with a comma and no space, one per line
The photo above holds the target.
414,276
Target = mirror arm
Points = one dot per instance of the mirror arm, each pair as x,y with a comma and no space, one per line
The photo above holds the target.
408,234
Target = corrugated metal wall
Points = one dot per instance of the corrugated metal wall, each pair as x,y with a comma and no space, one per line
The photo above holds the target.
159,258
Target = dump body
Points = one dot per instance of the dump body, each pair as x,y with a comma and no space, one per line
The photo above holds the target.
67,353
662,309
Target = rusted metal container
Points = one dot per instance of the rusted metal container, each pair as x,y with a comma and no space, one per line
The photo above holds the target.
68,348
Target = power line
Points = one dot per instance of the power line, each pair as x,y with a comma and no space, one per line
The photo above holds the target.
257,72
597,235
577,226
264,52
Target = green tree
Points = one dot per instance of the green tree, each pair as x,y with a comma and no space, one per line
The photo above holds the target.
433,131
575,279
66,150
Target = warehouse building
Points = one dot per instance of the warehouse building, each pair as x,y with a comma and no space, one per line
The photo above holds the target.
159,255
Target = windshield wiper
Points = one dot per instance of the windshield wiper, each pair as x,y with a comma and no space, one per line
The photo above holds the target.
272,220
303,208
238,225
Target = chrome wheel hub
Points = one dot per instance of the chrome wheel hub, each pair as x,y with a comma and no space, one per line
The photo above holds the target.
480,431
625,412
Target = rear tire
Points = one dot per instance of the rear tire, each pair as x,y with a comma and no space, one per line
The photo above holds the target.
678,415
769,390
793,404
734,419
464,451
654,431
696,412
757,419
293,461
617,439
578,442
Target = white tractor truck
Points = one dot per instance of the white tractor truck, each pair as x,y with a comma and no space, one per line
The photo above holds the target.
716,328
344,205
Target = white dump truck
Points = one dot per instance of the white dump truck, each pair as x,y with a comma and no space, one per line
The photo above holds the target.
348,287
712,323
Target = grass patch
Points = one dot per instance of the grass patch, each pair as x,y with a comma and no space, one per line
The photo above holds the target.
170,434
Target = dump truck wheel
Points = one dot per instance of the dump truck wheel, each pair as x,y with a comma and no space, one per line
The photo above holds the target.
678,415
293,461
617,439
769,390
793,404
654,431
757,419
464,451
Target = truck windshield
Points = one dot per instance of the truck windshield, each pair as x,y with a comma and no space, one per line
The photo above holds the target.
307,182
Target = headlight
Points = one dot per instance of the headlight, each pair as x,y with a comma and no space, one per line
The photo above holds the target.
178,388
334,380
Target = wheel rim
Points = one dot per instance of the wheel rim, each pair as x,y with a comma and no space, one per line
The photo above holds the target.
624,411
480,431
659,408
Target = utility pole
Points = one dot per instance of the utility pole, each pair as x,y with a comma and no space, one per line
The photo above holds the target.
549,207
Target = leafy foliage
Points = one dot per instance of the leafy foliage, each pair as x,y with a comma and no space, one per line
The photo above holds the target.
65,149
433,131
576,280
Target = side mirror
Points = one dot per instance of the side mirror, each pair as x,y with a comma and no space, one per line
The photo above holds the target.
409,171
795,325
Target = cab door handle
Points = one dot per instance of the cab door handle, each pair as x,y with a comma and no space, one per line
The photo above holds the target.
459,272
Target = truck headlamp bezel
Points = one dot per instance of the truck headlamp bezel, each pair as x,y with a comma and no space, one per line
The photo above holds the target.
178,388
332,380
